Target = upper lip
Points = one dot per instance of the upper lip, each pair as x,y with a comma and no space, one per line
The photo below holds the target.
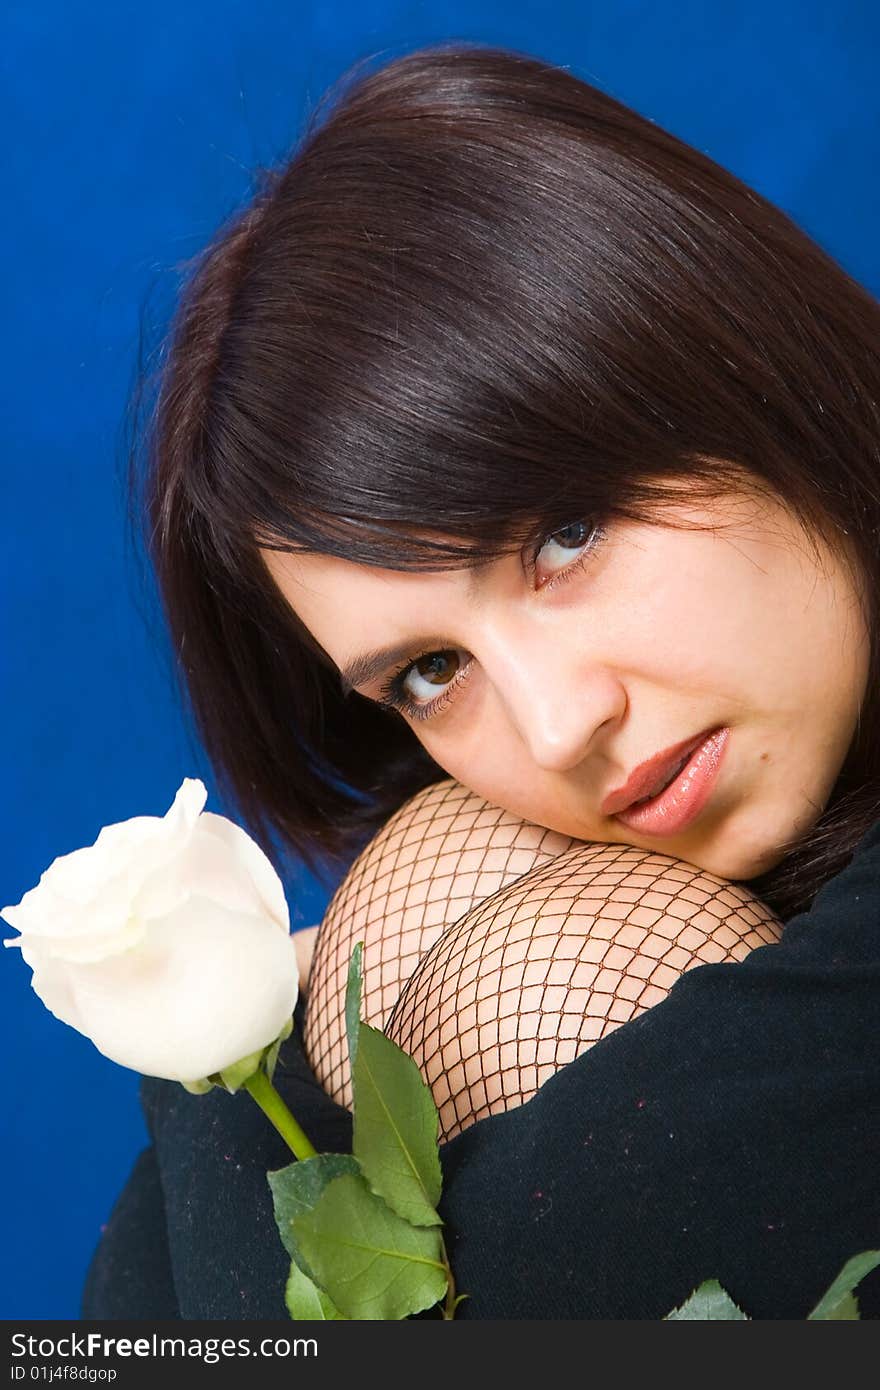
648,774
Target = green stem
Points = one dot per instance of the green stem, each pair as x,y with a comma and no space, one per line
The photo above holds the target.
451,1301
269,1101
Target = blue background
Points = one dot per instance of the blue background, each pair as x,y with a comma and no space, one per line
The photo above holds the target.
130,135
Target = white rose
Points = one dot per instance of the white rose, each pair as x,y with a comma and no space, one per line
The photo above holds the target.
166,942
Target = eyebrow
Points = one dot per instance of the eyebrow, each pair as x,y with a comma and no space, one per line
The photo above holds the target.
367,667
370,665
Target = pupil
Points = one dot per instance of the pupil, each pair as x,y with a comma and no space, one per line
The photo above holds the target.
433,667
571,537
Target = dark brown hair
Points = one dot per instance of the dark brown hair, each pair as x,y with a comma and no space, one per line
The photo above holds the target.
481,299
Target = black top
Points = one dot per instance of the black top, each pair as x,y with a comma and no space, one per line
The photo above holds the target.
732,1131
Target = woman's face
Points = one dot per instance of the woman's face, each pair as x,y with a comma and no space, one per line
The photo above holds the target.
544,688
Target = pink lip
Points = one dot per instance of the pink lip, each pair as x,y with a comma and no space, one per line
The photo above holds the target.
682,800
648,774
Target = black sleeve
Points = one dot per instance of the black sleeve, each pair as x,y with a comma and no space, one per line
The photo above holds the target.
130,1272
731,1132
193,1233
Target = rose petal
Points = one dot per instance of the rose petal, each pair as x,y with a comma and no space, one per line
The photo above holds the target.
204,988
250,857
216,865
89,892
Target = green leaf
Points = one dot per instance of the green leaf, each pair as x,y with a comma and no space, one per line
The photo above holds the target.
234,1076
353,1002
305,1301
372,1263
296,1189
395,1128
198,1088
846,1310
271,1058
708,1303
837,1302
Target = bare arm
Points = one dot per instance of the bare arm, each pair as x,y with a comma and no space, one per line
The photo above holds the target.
304,945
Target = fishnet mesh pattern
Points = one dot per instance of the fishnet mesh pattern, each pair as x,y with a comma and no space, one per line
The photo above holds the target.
496,951
442,853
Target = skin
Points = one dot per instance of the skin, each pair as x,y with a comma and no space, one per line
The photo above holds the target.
571,675
304,946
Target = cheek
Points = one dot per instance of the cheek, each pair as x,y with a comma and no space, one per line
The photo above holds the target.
701,612
677,630
480,749
462,756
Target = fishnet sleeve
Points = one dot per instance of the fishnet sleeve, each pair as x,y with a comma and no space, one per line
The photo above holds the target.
442,853
496,951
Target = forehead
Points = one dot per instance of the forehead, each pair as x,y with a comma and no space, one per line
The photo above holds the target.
313,582
366,618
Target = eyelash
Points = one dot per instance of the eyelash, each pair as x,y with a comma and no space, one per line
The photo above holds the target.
392,694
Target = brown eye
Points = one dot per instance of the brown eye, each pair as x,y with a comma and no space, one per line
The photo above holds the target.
573,536
437,668
563,550
440,674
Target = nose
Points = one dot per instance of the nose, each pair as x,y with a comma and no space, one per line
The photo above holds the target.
556,695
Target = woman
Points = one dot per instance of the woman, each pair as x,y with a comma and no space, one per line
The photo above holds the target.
510,460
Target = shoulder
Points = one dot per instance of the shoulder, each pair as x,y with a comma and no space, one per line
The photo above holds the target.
729,1132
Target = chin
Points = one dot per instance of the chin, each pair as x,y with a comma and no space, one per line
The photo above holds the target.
742,868
740,854
730,868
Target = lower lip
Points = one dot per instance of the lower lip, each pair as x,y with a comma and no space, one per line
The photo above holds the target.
683,800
